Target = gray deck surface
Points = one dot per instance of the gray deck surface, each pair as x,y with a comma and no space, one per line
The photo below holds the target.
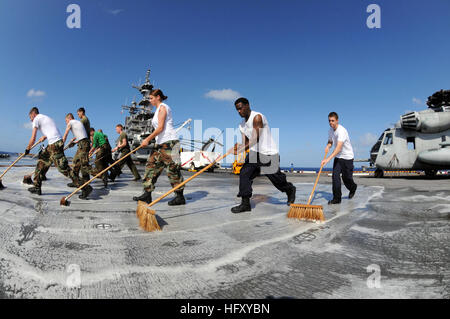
400,225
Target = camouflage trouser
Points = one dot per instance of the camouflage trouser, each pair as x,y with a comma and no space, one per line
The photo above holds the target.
53,153
102,161
45,156
81,160
129,162
163,155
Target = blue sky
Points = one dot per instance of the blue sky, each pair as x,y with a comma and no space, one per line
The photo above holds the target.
294,60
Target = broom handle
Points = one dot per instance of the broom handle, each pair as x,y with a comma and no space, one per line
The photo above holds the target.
317,179
18,159
190,178
106,169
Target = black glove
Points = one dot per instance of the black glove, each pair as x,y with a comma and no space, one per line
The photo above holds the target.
27,151
71,144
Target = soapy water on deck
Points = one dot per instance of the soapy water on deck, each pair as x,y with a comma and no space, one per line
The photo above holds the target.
197,249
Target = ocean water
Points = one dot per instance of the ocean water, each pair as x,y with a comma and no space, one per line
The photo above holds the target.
325,169
30,161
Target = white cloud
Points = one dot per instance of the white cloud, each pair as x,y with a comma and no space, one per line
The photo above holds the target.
28,125
115,11
417,101
367,139
223,95
35,93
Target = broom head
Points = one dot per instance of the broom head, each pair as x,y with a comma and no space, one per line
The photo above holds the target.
27,180
1,185
147,218
306,212
64,202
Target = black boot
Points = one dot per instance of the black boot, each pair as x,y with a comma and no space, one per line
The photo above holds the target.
291,195
35,190
113,174
244,207
179,200
105,180
145,197
85,192
334,201
72,185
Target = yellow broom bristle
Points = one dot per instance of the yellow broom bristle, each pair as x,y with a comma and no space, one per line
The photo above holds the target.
306,212
151,224
147,218
142,207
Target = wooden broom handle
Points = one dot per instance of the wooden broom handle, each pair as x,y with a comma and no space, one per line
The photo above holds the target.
120,159
190,178
18,159
317,179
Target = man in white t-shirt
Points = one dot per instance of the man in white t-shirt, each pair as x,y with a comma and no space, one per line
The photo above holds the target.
263,157
343,162
53,153
81,159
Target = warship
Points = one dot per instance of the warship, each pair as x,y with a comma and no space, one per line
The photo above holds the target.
138,124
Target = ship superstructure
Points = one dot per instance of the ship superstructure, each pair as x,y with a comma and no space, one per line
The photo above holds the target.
138,123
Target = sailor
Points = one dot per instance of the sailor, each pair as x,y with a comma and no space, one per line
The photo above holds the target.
263,157
101,159
114,171
343,162
81,158
53,153
124,149
166,152
83,118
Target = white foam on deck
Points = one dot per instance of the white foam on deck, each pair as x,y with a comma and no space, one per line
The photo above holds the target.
207,237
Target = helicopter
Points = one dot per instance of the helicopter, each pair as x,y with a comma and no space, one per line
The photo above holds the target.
418,141
199,157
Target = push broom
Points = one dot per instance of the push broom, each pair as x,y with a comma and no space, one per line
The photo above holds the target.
10,166
308,212
65,200
147,218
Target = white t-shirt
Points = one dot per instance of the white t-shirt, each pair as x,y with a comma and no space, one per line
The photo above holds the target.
266,144
341,135
47,127
168,133
78,130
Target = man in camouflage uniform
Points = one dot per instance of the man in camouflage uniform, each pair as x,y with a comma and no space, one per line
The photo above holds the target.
81,158
114,171
124,149
53,153
83,119
104,152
